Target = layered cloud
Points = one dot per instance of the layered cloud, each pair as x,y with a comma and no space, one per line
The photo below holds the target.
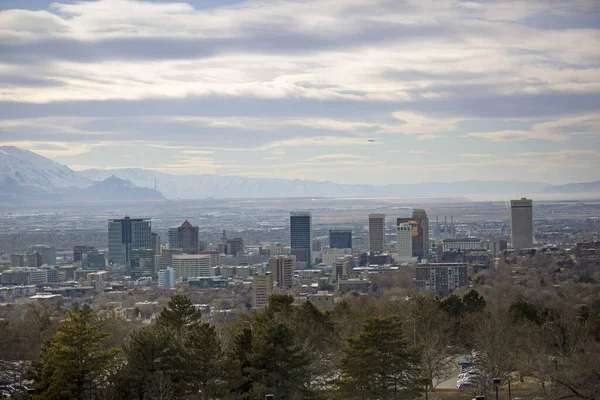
275,87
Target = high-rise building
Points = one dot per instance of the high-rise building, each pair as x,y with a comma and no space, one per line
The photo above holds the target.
376,233
35,260
342,269
441,277
301,236
404,246
417,234
420,215
521,223
80,251
184,237
282,268
166,277
173,237
187,236
125,235
142,264
340,238
47,251
93,260
235,247
156,243
191,266
231,247
17,260
262,289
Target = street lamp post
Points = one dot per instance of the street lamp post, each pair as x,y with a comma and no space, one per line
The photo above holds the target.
496,382
509,393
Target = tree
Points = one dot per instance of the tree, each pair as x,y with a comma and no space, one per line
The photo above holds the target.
73,363
473,302
239,360
180,313
380,363
277,365
178,356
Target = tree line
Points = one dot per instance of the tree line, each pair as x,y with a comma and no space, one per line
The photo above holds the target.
366,348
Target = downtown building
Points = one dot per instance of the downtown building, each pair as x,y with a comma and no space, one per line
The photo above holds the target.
282,270
188,266
521,223
340,238
184,237
376,233
441,277
262,289
301,236
404,242
126,235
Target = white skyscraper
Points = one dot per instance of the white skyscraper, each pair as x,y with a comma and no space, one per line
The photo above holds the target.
404,246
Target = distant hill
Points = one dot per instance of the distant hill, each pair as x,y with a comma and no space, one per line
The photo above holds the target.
29,177
583,187
114,188
202,186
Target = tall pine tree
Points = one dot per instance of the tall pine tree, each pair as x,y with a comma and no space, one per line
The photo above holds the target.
74,364
380,363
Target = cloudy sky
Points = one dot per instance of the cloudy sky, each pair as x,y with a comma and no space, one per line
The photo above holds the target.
448,89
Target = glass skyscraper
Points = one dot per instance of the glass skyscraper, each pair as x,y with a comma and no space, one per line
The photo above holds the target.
126,235
340,238
301,236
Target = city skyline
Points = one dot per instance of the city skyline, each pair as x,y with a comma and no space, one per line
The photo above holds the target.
430,91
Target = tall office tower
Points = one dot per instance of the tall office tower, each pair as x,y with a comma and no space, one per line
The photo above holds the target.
125,235
417,234
80,251
187,238
166,257
420,215
235,247
142,264
173,237
35,260
340,238
17,260
156,243
47,251
521,223
376,233
301,236
166,277
191,266
282,268
404,238
262,288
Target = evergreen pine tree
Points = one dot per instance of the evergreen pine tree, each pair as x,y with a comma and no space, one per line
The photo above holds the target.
379,363
73,363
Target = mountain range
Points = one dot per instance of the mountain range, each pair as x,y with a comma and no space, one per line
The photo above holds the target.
27,176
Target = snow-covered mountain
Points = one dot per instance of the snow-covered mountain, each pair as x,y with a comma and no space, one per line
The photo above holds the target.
24,167
29,178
